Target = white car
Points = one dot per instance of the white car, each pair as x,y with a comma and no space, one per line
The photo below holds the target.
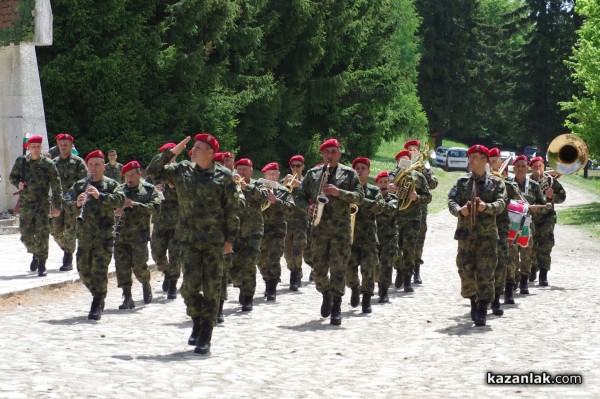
440,156
457,159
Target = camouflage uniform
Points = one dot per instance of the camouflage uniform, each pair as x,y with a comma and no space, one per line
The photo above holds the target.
70,169
40,176
131,245
432,181
95,232
53,153
114,172
477,247
228,258
364,247
503,224
208,206
331,237
296,239
387,235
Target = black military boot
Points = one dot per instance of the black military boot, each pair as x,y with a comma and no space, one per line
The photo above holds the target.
271,290
193,339
97,308
220,317
366,303
523,288
34,264
165,283
42,267
407,286
399,280
147,291
496,306
543,277
128,302
203,344
67,262
473,300
247,303
336,311
533,274
299,279
294,281
383,294
172,293
355,297
417,276
508,294
327,304
481,313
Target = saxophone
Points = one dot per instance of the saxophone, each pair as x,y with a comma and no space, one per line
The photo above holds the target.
322,199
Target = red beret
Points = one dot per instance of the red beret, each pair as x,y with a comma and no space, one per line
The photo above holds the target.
35,139
168,146
362,160
412,142
270,166
208,139
64,136
535,159
520,158
385,173
219,156
227,155
298,158
478,148
244,162
130,166
403,153
494,152
329,143
94,154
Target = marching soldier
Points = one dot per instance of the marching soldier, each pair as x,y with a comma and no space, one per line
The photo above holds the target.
113,168
543,240
94,200
133,233
71,168
364,242
208,223
475,200
297,226
34,175
331,237
387,234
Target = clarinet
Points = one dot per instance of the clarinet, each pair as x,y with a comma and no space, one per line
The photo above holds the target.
118,224
80,217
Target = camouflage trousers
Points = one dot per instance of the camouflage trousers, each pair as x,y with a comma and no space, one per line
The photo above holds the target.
128,258
308,252
294,245
387,255
93,258
519,262
243,268
367,258
421,238
202,273
331,252
269,258
227,263
63,229
408,231
543,242
502,266
476,262
163,241
34,226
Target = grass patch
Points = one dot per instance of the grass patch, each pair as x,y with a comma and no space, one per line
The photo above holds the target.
592,184
586,216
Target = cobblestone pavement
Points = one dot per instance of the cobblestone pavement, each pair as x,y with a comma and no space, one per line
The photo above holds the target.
421,344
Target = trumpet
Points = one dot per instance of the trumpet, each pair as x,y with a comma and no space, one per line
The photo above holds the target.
322,199
80,217
237,179
270,185
290,184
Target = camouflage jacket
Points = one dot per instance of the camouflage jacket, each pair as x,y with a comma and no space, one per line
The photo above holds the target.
70,170
298,220
168,214
135,222
53,153
275,215
491,190
511,193
387,225
98,214
208,199
336,213
114,172
251,216
365,229
558,197
415,208
40,176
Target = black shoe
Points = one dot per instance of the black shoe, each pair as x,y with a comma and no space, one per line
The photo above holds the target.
543,277
508,294
532,276
33,266
294,281
417,276
271,290
96,309
147,290
327,304
172,293
366,303
407,286
383,294
473,300
193,339
220,317
67,262
203,344
496,306
336,312
523,288
42,267
481,313
247,303
165,283
398,281
128,302
355,297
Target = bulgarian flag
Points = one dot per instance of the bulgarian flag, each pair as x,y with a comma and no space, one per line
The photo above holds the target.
25,145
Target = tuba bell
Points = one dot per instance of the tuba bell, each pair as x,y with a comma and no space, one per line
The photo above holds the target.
567,154
353,212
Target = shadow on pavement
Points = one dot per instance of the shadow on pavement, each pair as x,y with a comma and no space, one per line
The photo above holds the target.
465,328
173,357
315,325
70,321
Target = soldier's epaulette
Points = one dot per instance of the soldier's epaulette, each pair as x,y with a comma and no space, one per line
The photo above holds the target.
146,184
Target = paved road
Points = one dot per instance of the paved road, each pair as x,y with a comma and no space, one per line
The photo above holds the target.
421,344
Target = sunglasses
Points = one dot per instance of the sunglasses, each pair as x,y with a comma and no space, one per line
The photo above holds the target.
296,165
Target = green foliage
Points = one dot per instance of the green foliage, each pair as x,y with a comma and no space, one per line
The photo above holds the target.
22,28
